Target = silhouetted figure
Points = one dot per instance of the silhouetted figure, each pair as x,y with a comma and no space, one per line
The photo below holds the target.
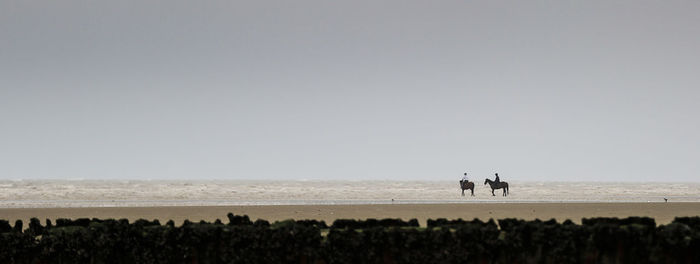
498,180
494,186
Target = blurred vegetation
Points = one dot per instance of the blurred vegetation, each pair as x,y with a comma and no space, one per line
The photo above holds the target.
596,240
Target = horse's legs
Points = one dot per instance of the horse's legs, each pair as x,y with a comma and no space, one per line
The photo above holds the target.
462,192
492,189
472,189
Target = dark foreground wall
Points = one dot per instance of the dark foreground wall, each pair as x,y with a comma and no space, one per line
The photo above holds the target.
597,240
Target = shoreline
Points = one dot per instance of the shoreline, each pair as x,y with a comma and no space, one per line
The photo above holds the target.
663,213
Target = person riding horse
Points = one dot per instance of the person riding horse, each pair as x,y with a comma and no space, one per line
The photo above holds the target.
466,185
497,184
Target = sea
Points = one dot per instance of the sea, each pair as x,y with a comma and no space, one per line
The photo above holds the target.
136,193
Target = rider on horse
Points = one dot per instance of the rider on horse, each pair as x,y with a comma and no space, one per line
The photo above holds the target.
497,184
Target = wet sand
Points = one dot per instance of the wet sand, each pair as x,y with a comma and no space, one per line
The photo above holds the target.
662,212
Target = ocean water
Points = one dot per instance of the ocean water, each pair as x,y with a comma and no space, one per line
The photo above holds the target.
90,193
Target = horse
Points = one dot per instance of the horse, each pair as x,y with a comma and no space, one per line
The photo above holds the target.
499,185
467,185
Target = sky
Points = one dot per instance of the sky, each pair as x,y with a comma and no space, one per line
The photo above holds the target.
350,90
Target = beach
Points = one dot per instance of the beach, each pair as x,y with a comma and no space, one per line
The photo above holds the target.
331,200
663,213
88,193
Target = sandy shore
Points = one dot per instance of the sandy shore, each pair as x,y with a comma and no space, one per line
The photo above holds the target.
662,212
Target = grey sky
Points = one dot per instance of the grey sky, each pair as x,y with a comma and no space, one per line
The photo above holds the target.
413,90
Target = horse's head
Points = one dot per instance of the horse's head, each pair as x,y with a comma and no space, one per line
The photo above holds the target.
486,181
